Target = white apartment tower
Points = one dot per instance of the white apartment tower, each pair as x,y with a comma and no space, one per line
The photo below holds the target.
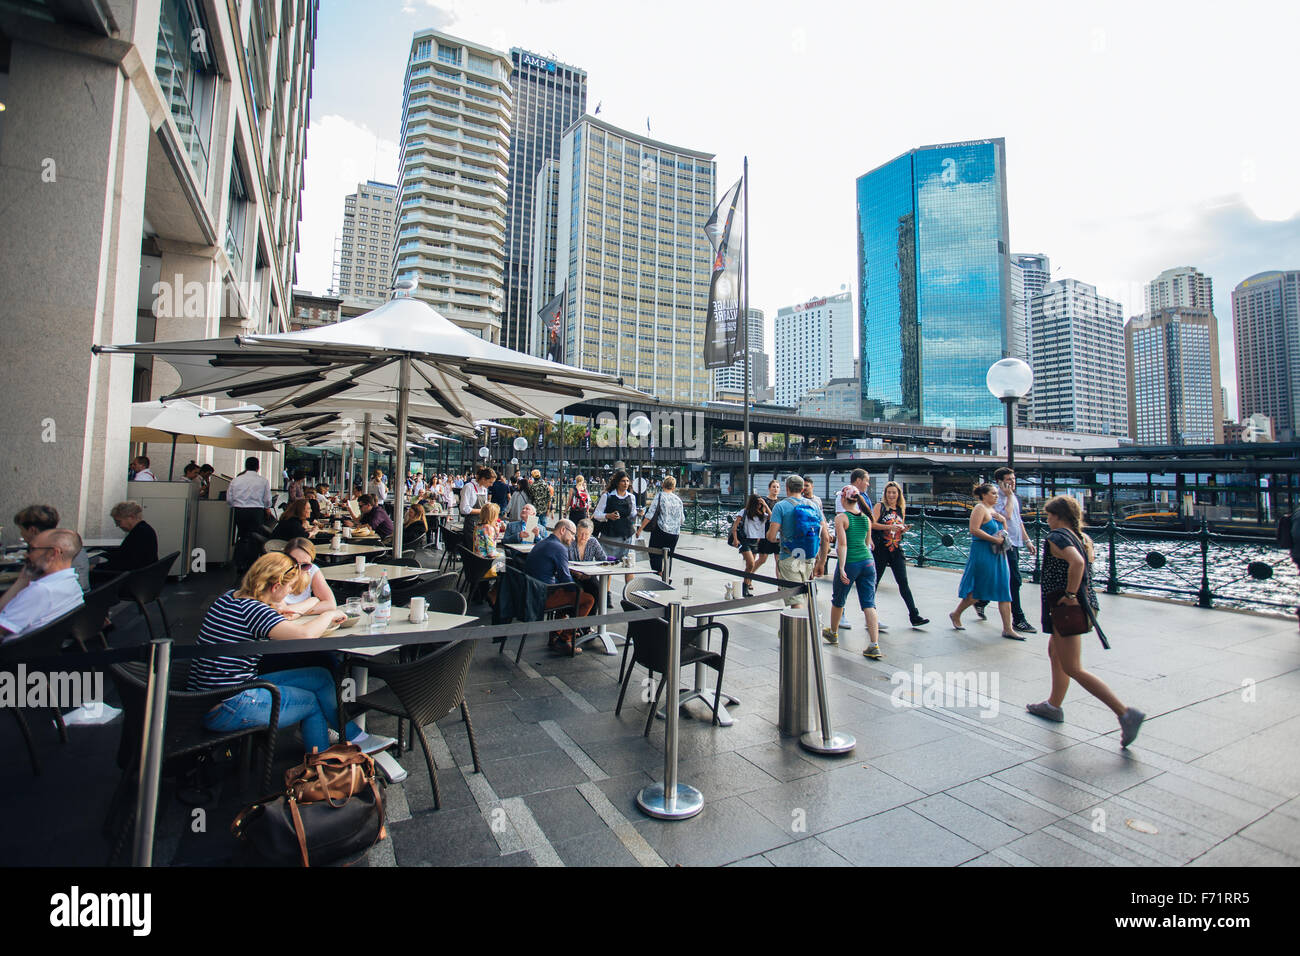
366,250
630,243
1077,354
453,169
814,344
1183,287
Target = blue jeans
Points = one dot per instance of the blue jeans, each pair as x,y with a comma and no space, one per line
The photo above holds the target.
860,573
306,696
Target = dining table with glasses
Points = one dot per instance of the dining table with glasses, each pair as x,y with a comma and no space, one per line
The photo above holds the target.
602,571
373,572
700,691
349,552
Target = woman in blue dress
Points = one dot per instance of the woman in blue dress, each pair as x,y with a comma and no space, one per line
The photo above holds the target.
987,576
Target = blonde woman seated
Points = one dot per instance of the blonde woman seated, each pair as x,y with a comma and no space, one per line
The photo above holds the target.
307,694
312,595
488,531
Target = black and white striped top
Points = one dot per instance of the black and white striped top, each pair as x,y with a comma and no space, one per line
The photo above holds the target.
231,620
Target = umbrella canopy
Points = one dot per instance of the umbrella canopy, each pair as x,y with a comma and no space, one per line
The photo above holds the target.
179,421
402,355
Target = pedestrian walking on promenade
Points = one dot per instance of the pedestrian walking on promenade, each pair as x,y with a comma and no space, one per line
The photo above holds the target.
1067,576
664,518
1008,503
888,523
986,576
799,525
747,531
854,568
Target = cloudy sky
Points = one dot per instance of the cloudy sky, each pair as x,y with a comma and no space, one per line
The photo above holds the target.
1140,136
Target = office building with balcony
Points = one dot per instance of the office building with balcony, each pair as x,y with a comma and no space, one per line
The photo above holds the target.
934,284
151,160
630,244
454,171
548,97
1077,354
366,244
1172,368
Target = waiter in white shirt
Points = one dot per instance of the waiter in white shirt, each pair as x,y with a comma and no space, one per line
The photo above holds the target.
140,469
249,497
473,496
46,587
378,487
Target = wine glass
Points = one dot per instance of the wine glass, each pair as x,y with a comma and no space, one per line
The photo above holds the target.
368,602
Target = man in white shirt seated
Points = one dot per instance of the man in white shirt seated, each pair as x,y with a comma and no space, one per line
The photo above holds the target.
46,587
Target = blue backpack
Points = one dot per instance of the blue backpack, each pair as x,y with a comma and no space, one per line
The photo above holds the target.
807,539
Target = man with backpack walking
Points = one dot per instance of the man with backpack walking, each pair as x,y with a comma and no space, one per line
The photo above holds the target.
801,530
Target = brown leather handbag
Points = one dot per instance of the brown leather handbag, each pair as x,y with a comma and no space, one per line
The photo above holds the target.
331,809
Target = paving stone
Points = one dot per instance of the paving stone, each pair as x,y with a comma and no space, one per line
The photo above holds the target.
445,838
941,764
806,853
964,820
1105,766
1210,810
597,848
724,831
814,804
1241,851
988,859
1049,788
1276,831
518,858
1004,807
781,759
899,837
547,770
1043,849
563,814
534,711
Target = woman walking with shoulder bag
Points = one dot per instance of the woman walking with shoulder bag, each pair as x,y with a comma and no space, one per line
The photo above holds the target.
1067,566
664,518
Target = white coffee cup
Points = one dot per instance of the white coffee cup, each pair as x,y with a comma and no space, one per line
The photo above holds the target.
336,542
347,532
417,610
338,525
361,565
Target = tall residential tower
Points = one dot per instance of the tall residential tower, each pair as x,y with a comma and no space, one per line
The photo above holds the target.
1077,354
814,345
453,168
1266,331
366,251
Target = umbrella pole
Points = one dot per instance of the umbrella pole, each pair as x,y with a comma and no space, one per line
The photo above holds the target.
365,453
172,466
399,473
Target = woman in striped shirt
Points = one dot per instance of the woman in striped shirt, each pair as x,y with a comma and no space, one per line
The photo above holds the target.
307,695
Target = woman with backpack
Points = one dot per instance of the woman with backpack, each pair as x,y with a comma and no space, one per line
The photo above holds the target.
664,518
1067,567
579,501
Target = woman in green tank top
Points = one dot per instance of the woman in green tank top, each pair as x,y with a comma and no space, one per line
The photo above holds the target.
855,569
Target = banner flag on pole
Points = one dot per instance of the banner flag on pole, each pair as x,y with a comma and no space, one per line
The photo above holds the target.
726,230
552,318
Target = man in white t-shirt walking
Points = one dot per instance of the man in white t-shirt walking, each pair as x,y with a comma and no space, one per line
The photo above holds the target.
1008,504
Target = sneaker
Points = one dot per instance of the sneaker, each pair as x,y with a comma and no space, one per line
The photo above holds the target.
1047,712
829,636
1129,725
979,612
918,621
1024,627
873,651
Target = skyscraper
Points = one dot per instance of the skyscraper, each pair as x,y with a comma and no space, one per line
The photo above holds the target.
933,254
1266,331
631,245
454,165
1029,273
729,382
1172,361
1178,288
366,252
548,97
814,344
1077,354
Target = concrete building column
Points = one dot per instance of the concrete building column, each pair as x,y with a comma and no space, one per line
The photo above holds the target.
69,264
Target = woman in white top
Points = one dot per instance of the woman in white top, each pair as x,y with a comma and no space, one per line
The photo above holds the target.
616,511
749,528
312,593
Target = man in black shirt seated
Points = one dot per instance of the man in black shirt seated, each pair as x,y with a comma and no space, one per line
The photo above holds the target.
140,547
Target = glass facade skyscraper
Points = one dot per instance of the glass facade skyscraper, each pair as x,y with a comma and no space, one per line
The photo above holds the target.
934,275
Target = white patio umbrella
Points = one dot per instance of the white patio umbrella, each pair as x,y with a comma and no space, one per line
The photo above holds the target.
402,355
179,420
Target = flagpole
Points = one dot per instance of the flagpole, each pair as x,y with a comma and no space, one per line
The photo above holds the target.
744,320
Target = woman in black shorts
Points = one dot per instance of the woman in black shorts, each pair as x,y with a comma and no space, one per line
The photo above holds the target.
748,532
766,547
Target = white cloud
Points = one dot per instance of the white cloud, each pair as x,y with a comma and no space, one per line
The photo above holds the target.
340,154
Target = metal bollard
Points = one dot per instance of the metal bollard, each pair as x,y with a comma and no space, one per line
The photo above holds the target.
827,741
151,750
795,712
671,800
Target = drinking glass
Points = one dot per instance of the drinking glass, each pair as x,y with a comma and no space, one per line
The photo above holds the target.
688,582
368,602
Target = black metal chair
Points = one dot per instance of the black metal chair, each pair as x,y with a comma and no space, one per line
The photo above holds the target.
514,578
473,571
642,582
43,642
184,734
649,640
428,559
144,586
424,691
87,623
444,601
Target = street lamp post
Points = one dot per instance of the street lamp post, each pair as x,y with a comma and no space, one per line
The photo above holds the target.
1010,380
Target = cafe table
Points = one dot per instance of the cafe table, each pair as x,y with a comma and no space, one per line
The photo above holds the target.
701,691
349,551
602,572
396,572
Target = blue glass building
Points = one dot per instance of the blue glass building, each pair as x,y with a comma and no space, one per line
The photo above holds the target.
934,280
